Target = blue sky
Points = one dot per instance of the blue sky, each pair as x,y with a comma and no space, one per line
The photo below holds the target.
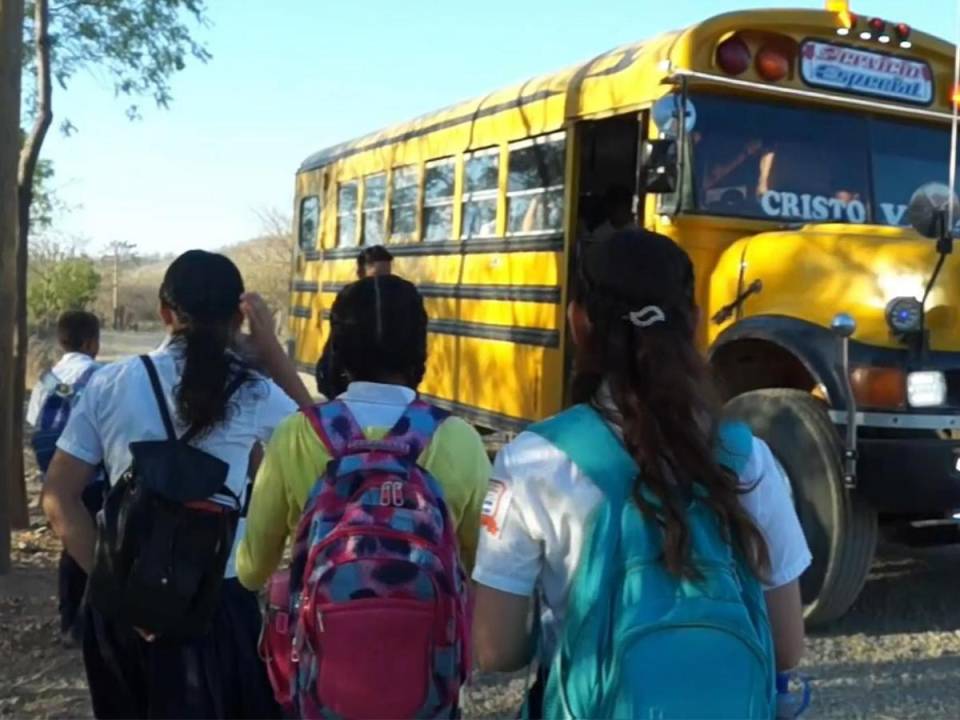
289,77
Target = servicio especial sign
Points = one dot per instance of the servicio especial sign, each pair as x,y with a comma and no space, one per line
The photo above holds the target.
849,69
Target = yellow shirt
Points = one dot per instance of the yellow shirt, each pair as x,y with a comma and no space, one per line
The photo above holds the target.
296,458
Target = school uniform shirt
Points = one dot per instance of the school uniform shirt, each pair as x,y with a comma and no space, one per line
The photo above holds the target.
536,512
296,458
70,368
118,407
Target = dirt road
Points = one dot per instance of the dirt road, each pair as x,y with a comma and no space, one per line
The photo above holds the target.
896,654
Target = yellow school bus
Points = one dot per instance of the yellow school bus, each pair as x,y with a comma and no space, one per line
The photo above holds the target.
782,149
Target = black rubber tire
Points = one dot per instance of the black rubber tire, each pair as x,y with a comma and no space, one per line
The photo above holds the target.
840,526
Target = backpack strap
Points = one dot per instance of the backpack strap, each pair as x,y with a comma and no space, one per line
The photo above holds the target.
160,397
335,425
84,378
591,444
417,426
585,437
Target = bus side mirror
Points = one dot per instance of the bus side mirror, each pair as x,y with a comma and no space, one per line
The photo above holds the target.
658,166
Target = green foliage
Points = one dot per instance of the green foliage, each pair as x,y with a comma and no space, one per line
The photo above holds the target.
69,283
45,201
136,45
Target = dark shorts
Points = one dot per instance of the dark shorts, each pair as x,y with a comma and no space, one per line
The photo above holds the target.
217,676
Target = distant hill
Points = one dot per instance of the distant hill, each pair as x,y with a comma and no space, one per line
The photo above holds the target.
263,261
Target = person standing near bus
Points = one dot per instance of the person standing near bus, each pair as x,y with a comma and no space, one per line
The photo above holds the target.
374,261
379,330
618,210
195,386
613,509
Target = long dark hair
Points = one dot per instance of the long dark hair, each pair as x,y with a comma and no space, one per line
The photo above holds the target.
203,290
637,289
379,331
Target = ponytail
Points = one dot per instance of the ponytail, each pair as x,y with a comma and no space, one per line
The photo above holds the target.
208,369
203,291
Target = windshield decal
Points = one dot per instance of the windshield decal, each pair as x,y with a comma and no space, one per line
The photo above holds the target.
812,207
894,214
847,69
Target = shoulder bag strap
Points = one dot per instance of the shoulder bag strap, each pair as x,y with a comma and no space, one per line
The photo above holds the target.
417,426
160,397
585,437
335,425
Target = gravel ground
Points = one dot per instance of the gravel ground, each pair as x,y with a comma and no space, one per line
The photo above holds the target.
895,655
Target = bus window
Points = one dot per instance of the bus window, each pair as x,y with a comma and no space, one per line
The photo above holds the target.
904,157
438,201
760,160
347,214
309,222
374,203
403,202
535,185
481,179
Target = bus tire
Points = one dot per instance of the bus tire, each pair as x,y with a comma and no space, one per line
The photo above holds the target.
840,526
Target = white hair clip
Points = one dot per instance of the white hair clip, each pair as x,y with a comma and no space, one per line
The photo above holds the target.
645,317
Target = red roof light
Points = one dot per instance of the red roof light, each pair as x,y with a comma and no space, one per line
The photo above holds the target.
733,56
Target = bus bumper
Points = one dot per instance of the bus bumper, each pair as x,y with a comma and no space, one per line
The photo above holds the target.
912,464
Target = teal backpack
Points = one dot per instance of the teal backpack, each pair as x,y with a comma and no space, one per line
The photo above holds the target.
638,642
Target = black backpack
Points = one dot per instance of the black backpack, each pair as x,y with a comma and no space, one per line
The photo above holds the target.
162,542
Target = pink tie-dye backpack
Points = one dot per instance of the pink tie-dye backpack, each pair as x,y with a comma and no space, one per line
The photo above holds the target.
378,625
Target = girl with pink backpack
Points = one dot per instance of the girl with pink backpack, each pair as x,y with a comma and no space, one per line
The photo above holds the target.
381,494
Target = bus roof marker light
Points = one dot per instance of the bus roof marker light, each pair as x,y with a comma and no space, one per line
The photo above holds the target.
866,35
885,39
773,65
733,55
843,31
906,44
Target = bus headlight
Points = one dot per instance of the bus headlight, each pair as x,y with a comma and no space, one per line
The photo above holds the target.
926,389
905,315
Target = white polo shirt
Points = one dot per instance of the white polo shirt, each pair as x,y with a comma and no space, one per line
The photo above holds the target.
537,509
118,407
68,370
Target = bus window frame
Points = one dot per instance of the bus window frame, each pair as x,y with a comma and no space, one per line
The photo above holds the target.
301,247
341,186
364,210
446,201
547,138
467,196
415,170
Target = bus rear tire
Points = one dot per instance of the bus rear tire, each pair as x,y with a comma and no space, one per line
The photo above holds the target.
840,527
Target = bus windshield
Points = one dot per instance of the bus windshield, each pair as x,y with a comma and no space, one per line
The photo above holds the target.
779,162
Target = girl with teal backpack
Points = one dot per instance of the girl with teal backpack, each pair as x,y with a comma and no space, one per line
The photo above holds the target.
660,542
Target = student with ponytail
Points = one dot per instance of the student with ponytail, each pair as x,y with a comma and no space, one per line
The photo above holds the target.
661,542
170,632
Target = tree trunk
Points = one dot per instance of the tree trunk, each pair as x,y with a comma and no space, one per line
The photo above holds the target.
29,156
11,25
